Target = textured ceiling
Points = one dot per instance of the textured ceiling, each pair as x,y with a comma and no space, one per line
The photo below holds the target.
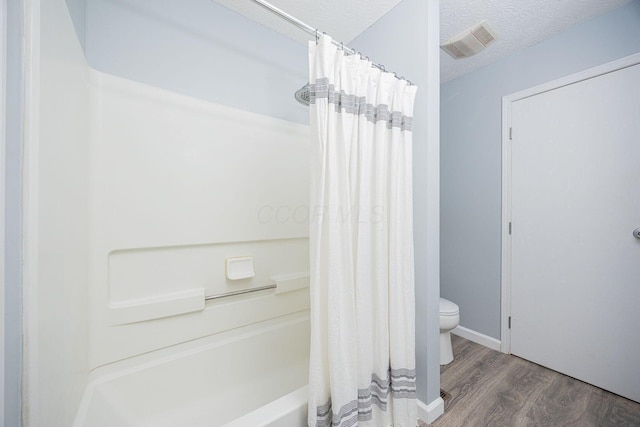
518,23
341,19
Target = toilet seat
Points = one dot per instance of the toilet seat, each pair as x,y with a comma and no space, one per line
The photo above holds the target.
448,308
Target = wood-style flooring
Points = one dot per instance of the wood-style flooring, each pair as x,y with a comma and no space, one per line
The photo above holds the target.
489,388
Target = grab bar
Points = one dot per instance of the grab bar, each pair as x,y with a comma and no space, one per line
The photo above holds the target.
240,292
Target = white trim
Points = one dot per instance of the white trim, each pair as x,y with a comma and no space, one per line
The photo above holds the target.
609,67
477,337
429,413
30,405
507,102
505,274
3,120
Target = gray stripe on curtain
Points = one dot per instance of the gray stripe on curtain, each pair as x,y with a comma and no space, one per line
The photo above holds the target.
358,105
400,382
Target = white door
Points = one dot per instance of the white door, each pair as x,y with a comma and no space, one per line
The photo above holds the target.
575,283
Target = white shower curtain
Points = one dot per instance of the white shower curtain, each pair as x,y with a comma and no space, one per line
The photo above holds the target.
362,367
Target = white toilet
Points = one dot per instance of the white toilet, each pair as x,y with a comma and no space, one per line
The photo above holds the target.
449,319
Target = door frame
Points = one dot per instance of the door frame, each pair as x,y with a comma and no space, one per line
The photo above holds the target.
507,101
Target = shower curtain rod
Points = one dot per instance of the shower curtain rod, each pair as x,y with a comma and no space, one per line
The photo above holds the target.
314,32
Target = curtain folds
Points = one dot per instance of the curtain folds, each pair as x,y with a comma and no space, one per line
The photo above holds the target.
362,367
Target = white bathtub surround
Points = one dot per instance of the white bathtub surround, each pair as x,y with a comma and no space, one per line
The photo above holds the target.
153,259
207,382
362,366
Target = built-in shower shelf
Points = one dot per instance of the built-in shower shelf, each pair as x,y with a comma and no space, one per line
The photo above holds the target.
156,307
291,282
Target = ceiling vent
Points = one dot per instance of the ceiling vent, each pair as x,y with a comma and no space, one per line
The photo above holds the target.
471,41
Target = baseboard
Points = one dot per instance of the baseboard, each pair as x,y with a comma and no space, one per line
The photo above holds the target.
429,413
477,337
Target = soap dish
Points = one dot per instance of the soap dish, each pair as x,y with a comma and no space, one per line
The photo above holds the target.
241,267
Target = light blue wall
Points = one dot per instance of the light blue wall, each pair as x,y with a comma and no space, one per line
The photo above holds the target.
201,49
471,114
13,217
399,41
78,12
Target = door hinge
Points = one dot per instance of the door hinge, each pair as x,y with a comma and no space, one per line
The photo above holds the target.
509,322
511,133
510,228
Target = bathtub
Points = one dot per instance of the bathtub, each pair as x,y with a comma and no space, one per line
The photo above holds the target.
251,376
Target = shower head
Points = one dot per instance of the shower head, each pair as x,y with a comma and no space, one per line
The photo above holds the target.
302,95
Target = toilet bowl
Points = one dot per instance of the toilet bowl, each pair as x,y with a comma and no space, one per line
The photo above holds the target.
449,319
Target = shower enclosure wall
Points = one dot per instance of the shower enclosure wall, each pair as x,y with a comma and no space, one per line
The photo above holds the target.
162,140
145,189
